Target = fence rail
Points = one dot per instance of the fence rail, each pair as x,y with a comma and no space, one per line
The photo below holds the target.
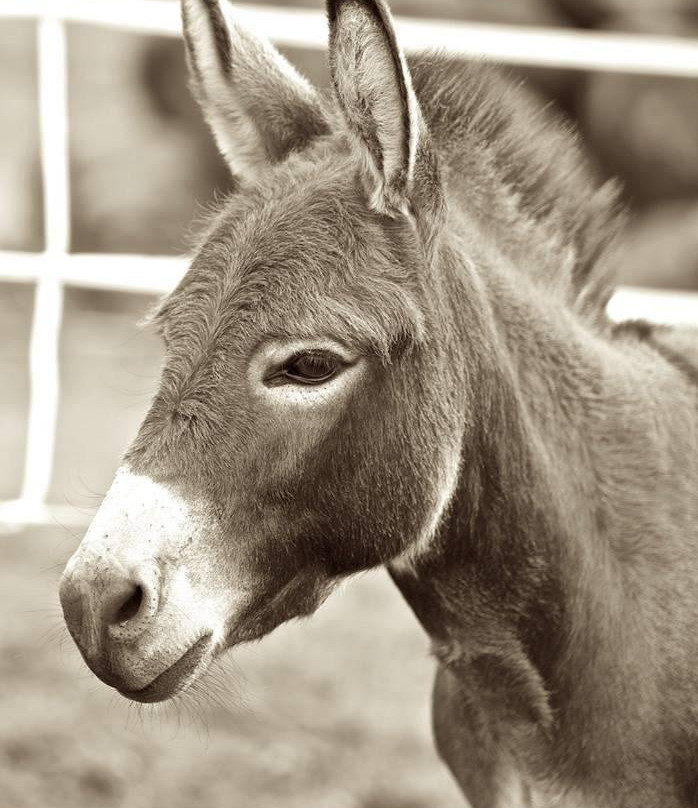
55,268
156,275
508,44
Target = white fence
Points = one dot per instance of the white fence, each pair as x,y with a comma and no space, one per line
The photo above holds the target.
55,268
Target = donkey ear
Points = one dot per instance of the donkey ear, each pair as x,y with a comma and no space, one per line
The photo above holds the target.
258,106
374,89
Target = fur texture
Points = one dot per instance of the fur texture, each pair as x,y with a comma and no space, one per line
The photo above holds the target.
527,472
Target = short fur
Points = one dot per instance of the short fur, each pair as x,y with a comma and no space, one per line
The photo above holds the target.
528,472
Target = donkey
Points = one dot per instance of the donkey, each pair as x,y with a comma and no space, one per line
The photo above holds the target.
391,349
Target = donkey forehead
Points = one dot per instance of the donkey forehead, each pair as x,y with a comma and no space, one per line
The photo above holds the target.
301,225
296,256
304,198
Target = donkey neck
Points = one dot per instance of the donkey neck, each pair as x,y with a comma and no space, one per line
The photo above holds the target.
534,377
531,574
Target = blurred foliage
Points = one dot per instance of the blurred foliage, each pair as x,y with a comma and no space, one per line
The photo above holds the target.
659,15
20,188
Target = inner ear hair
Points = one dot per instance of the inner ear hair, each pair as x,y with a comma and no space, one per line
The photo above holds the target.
374,90
258,106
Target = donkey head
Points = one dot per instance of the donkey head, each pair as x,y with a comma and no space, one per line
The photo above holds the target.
301,431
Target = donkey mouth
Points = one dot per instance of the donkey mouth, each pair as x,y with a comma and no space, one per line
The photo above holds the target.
177,677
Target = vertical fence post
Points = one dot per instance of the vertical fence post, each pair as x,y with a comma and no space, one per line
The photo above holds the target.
48,302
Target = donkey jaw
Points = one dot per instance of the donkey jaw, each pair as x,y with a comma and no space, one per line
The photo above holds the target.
179,676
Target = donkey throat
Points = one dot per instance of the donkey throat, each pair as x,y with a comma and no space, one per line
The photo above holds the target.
407,560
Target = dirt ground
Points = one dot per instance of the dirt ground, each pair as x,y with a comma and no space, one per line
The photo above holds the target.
327,713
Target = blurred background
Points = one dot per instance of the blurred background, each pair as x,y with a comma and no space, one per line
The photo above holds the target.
333,712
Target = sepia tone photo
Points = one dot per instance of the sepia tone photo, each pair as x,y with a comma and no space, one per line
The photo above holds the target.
349,424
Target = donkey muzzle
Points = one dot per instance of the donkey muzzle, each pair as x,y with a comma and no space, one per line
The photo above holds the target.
144,615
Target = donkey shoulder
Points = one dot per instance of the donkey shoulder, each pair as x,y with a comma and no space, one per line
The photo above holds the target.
678,345
681,346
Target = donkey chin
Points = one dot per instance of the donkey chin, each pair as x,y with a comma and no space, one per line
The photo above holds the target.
146,614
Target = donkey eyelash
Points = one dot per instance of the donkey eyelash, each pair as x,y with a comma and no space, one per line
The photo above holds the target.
313,354
284,373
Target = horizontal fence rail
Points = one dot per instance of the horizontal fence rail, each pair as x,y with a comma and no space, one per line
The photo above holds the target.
158,275
56,268
508,44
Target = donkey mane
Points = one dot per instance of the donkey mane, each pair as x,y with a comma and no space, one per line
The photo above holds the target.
519,164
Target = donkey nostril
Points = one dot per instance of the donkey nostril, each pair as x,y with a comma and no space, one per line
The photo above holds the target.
130,608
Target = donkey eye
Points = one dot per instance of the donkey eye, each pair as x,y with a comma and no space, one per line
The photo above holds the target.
311,368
